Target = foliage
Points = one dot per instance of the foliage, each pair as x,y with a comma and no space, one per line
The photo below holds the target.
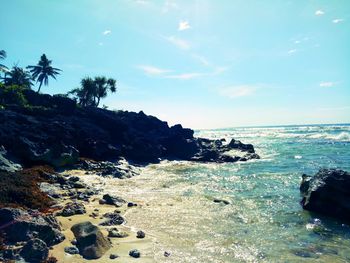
93,90
3,68
18,76
12,95
43,70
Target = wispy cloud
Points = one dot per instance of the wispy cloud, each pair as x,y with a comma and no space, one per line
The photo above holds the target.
233,92
100,44
185,76
327,84
184,25
106,32
203,60
337,20
319,12
292,51
151,70
178,42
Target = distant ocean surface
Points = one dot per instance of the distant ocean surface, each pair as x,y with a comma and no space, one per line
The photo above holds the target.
264,221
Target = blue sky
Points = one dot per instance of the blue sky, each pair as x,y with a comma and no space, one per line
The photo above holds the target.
205,64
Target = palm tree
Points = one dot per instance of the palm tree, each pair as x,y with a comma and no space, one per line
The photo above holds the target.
93,90
18,76
3,68
43,70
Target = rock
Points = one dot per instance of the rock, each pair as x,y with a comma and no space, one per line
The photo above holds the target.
24,225
51,190
134,253
140,234
71,250
225,202
131,204
113,256
236,144
113,200
6,164
91,242
112,219
327,192
74,242
73,208
35,250
166,254
114,232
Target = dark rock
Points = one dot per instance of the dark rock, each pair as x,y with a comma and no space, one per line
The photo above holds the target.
113,256
140,234
166,254
23,225
131,204
91,242
114,232
35,250
225,202
134,253
327,192
236,144
71,250
74,242
6,164
112,219
72,208
113,200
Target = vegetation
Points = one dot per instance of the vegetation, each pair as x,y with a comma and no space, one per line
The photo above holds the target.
93,90
21,189
3,68
43,70
12,94
18,76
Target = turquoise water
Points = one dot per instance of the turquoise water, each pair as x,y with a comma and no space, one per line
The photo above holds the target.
264,221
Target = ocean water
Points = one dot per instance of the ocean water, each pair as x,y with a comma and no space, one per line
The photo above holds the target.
264,221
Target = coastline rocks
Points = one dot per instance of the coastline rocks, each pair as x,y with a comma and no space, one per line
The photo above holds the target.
35,250
114,232
113,200
236,144
327,192
71,250
92,244
72,208
112,219
134,253
140,234
6,164
20,225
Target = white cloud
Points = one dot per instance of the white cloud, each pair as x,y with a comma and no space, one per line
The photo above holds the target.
233,92
337,20
297,42
292,51
203,60
100,44
151,70
106,32
327,84
183,25
178,42
185,76
319,13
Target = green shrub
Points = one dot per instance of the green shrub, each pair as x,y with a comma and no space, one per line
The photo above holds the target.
12,95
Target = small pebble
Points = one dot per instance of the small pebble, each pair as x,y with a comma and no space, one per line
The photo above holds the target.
140,234
113,256
166,254
134,253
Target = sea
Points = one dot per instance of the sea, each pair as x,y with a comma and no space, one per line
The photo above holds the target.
264,221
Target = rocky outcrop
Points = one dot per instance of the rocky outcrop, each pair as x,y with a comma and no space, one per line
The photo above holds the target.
35,250
19,225
92,244
6,164
47,133
327,192
72,208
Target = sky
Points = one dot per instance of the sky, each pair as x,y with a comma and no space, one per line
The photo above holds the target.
201,63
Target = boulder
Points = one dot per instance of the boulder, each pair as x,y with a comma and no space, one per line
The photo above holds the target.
327,192
236,144
92,244
113,200
20,225
112,219
134,253
71,250
73,208
114,232
6,164
140,234
35,251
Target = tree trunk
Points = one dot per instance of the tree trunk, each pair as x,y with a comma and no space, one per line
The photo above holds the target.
39,87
